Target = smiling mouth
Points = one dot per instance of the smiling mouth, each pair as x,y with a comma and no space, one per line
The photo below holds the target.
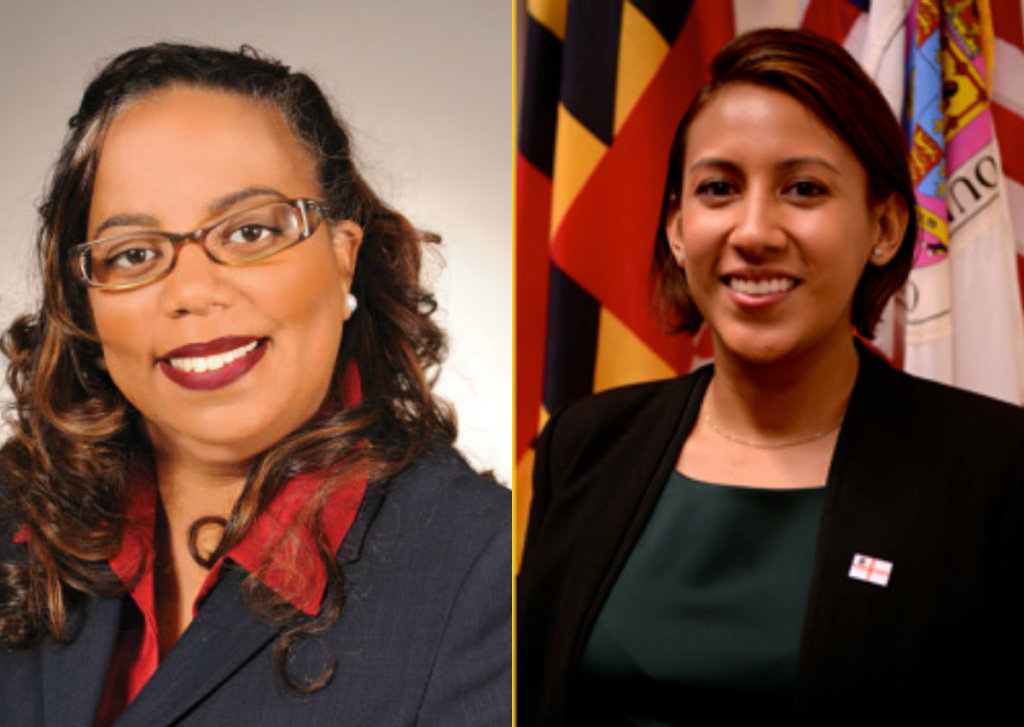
202,364
212,364
767,286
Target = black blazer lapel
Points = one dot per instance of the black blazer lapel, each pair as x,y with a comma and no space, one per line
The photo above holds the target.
658,441
909,484
600,466
73,675
855,490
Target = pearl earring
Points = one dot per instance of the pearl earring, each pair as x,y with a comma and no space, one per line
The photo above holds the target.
877,252
351,303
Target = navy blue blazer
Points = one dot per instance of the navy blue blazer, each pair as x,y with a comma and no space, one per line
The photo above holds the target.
925,476
425,637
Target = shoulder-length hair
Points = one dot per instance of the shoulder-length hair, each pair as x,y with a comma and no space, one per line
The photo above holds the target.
831,85
75,436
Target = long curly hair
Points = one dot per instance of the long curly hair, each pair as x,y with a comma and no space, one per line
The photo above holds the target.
75,436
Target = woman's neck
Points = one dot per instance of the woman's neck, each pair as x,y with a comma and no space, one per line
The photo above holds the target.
189,492
782,401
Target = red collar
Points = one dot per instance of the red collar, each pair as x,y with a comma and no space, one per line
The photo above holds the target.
282,555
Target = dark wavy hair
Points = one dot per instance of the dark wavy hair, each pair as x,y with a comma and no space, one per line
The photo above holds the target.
830,84
75,436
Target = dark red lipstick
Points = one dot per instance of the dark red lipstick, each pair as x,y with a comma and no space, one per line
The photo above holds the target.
212,364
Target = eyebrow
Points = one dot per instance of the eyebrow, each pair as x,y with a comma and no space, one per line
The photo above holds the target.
216,207
223,204
785,164
125,220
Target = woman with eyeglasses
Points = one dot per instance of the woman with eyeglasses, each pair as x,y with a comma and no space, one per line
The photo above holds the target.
800,533
229,496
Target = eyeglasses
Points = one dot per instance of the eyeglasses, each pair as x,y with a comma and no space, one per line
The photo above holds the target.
128,261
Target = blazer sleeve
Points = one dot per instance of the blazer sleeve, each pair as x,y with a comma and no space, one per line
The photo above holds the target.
471,682
541,485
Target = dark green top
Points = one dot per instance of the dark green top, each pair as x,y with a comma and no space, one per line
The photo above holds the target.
707,612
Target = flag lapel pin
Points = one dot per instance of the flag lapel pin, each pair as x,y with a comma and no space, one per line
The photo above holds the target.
870,570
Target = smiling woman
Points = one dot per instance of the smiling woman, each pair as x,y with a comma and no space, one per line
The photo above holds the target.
783,219
227,455
220,155
798,532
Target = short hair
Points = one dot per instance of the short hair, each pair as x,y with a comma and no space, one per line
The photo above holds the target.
828,82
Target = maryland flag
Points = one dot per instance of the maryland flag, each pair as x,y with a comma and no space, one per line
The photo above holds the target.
607,81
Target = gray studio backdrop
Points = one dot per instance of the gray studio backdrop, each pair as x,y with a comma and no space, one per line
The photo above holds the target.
427,89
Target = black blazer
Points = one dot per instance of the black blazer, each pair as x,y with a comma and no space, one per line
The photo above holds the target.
925,476
425,637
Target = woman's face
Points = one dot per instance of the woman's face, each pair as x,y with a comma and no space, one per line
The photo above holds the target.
775,225
267,333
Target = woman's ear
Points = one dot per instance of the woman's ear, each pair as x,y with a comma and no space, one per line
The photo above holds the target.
346,236
891,216
674,233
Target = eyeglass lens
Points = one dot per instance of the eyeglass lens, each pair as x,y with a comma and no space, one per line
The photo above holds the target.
244,237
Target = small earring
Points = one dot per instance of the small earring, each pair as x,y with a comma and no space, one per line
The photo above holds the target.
877,252
351,303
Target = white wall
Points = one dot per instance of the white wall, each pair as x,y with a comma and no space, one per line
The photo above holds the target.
426,87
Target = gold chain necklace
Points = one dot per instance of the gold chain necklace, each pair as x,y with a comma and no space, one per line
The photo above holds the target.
764,445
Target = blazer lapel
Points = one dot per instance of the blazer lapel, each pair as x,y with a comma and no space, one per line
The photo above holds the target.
860,514
654,450
352,546
222,637
74,674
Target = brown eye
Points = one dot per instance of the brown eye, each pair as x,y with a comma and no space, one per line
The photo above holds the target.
251,233
132,257
804,188
715,188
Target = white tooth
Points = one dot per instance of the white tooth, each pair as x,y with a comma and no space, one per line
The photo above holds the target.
202,364
239,352
761,287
